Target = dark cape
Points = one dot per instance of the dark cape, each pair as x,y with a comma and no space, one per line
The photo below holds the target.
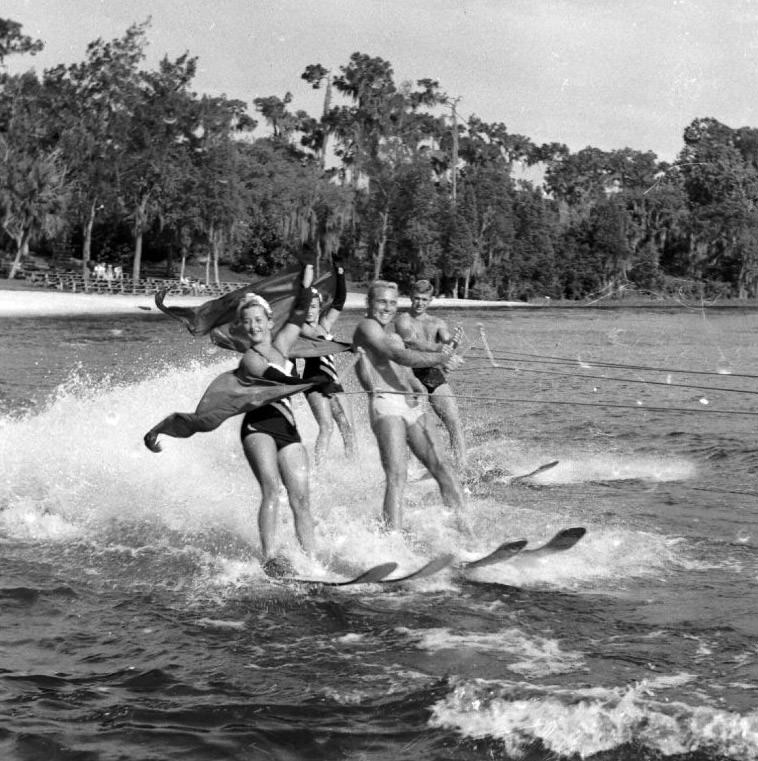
217,315
229,394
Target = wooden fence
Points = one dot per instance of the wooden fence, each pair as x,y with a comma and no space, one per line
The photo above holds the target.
76,283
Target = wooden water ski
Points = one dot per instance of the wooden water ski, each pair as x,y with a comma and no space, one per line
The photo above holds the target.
505,551
541,469
433,566
562,541
371,576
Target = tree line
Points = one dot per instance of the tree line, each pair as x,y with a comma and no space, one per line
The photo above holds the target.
127,164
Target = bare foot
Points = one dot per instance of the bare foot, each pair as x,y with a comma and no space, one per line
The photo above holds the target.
277,567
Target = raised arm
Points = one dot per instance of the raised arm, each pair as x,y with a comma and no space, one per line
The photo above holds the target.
340,296
291,329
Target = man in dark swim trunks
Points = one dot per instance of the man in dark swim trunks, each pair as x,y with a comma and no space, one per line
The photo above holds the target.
419,330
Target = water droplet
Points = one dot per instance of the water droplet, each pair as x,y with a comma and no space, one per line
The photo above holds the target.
703,400
668,378
724,368
742,537
639,403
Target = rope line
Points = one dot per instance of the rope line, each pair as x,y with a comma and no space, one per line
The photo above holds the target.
606,378
565,402
547,359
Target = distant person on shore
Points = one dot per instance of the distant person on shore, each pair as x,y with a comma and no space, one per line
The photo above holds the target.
328,401
420,330
397,415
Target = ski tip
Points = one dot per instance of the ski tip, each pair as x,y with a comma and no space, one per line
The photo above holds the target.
377,573
504,552
435,565
564,540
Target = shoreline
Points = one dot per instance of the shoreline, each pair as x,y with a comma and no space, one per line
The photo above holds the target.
39,303
18,302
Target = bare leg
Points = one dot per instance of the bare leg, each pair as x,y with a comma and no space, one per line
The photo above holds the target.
444,404
425,446
261,454
322,411
293,466
343,416
390,436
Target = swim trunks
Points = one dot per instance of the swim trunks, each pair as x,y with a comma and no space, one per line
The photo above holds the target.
431,377
395,405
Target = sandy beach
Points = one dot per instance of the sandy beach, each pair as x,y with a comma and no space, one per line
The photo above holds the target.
33,303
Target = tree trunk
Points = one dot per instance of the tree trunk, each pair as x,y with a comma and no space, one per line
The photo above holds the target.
87,244
139,226
137,260
466,281
218,242
379,258
22,249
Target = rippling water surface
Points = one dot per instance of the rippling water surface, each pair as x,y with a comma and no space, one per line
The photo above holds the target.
135,621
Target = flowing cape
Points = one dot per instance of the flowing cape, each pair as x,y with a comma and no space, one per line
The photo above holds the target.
228,394
217,315
225,397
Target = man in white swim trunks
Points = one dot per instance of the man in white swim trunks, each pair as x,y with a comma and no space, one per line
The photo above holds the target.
397,416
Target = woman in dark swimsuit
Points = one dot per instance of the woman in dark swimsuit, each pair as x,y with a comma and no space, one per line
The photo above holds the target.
270,438
328,400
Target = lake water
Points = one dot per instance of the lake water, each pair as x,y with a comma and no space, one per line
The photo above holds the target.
135,621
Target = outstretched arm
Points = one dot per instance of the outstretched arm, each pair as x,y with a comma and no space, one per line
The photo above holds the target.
404,328
371,336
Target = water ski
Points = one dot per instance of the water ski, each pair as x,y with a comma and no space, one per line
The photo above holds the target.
562,541
371,576
541,469
502,475
433,566
505,551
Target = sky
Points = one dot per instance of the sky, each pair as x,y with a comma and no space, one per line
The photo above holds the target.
606,73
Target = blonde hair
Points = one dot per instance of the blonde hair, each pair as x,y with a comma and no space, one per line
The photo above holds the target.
375,286
254,300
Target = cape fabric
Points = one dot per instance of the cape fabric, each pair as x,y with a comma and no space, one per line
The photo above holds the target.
279,290
228,395
225,397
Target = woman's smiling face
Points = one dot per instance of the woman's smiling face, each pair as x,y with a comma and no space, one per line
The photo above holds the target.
256,323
